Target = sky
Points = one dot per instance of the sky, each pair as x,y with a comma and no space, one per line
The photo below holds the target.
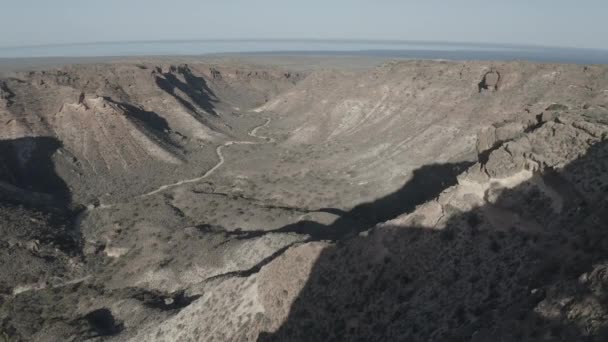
564,23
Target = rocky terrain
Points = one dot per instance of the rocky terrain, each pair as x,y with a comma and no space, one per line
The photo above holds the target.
413,201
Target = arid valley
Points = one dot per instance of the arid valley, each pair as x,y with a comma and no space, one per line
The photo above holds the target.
227,199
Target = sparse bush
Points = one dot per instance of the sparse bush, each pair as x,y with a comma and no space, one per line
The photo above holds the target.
494,246
473,219
447,234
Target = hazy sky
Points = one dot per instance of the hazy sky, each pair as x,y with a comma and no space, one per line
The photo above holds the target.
569,23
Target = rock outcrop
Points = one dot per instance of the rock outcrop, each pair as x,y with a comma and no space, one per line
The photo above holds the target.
490,81
6,95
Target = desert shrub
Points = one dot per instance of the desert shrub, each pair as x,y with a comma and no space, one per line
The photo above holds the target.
494,246
447,234
473,219
557,107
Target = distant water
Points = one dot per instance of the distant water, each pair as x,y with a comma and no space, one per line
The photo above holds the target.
388,49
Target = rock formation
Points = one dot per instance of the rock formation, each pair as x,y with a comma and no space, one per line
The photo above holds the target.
490,81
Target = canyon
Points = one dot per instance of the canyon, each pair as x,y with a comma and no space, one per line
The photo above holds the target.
221,200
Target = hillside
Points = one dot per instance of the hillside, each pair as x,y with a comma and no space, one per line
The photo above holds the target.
117,121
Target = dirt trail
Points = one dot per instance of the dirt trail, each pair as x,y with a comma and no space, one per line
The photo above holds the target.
37,286
218,150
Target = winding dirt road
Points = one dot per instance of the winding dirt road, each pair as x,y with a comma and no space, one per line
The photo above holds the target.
218,151
78,219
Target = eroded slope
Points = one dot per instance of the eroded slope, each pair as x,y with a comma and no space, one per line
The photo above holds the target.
115,122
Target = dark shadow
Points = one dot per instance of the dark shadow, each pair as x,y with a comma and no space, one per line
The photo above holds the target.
194,87
150,123
27,164
160,300
469,281
103,323
150,119
426,183
485,85
6,94
165,85
35,202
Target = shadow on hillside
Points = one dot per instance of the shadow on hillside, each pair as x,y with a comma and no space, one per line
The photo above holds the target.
150,119
27,164
427,182
150,124
194,87
468,281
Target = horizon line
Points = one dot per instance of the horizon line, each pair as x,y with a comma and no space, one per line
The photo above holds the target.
329,40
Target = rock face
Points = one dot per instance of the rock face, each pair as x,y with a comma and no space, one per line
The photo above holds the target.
490,81
170,202
6,94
